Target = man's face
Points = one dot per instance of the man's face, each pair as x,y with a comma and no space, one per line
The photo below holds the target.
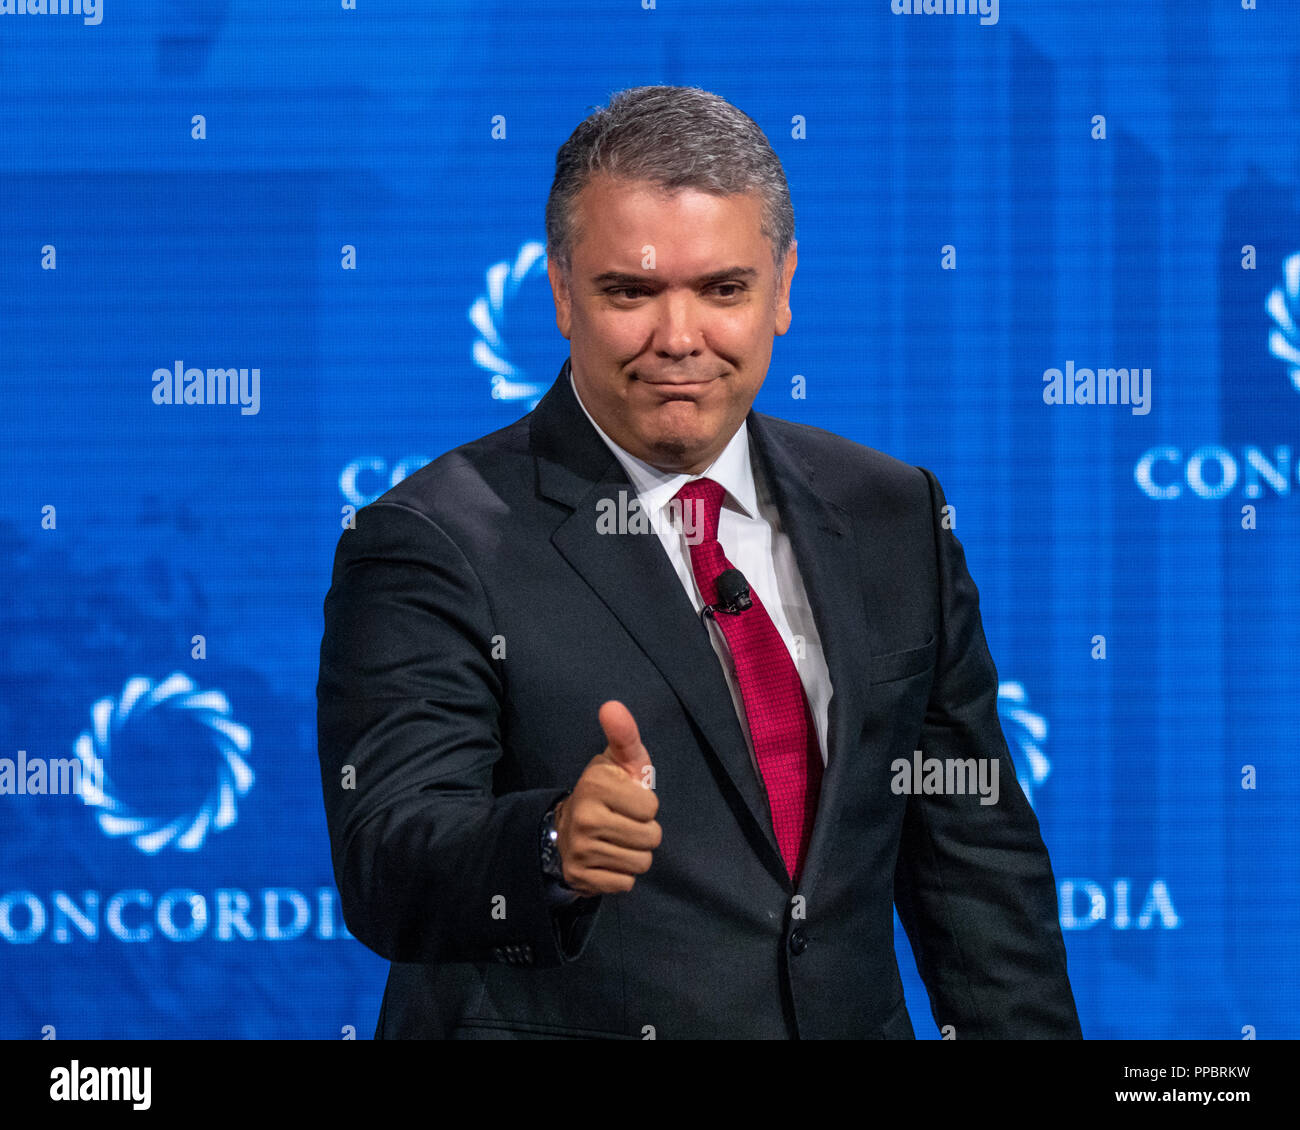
674,303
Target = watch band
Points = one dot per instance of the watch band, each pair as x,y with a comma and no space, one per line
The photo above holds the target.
552,864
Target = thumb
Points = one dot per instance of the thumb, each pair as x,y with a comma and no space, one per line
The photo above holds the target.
624,739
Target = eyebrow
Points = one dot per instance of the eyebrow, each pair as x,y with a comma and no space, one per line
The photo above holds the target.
623,278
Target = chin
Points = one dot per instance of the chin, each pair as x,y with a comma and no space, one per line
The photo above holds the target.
671,448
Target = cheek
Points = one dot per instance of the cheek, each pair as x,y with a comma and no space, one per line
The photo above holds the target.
620,331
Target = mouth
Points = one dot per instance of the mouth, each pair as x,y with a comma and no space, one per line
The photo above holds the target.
675,387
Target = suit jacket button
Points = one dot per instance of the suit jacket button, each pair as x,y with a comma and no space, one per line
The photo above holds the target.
798,941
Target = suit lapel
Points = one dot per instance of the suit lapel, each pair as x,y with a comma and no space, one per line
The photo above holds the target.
634,578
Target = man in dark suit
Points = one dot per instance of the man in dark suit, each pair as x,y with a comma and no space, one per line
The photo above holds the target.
619,705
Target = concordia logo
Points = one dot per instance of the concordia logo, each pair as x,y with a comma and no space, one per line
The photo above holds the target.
1081,903
366,478
1025,729
1211,471
113,726
1284,305
130,752
488,313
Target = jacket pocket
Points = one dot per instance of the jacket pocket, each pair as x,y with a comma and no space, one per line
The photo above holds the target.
902,664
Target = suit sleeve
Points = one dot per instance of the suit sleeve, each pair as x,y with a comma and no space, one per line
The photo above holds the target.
431,864
973,884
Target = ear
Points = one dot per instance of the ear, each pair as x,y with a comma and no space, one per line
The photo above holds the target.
783,314
563,297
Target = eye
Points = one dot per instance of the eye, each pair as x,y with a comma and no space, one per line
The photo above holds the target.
631,291
738,287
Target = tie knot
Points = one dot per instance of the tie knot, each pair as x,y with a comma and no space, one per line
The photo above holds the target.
704,496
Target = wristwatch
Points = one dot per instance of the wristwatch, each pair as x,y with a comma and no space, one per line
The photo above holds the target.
552,865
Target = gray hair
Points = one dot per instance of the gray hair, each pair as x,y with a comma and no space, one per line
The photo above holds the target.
674,137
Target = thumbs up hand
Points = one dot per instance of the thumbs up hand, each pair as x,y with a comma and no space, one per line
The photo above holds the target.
606,827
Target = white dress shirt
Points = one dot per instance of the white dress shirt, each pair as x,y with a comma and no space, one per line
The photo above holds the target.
750,532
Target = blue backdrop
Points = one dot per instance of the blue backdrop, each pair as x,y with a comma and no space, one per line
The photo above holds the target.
344,206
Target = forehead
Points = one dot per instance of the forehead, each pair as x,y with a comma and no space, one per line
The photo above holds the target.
620,217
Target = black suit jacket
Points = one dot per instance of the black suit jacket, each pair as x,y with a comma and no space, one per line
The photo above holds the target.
477,620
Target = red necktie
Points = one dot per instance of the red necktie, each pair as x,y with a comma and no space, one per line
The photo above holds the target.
780,721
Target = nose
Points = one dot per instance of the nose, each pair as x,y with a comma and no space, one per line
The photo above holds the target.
676,334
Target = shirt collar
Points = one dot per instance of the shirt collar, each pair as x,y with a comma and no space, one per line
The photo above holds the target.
732,469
